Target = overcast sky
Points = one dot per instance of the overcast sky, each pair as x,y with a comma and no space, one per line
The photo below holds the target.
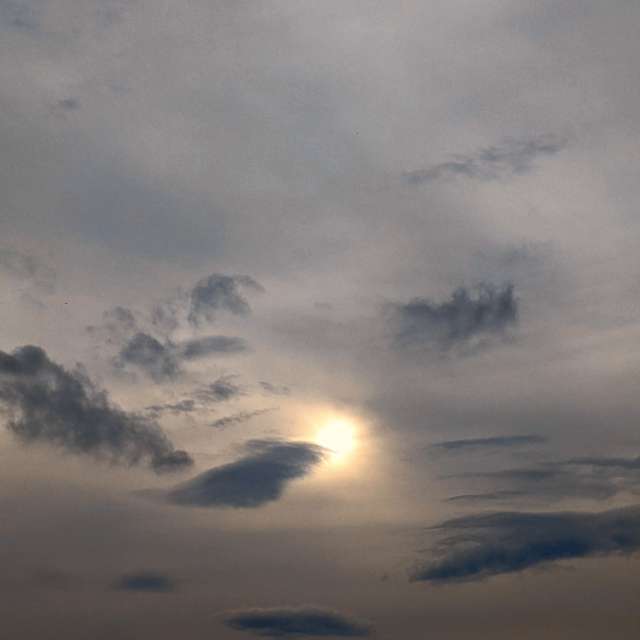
319,319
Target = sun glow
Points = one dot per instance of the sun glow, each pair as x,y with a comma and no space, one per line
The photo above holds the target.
339,437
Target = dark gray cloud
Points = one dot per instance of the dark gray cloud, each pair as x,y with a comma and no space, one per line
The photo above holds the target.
422,322
162,360
146,581
203,347
296,621
187,405
496,496
256,479
495,442
156,359
238,418
219,292
484,545
27,267
512,157
46,403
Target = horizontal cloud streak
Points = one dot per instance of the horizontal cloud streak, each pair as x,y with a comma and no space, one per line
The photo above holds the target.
513,157
496,442
296,621
484,545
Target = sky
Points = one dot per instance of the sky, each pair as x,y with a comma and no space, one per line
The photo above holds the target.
319,319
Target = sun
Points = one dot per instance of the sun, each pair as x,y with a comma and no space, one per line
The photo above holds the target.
339,437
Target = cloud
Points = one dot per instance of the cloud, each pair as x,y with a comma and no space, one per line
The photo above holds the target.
203,347
69,104
512,157
46,403
28,268
613,464
238,418
220,390
161,361
187,405
147,581
490,312
484,545
219,292
273,389
156,359
496,442
296,621
20,14
553,481
256,479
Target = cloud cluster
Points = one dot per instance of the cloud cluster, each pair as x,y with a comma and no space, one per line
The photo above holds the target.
297,621
252,481
484,545
220,390
46,403
219,292
162,361
422,322
512,157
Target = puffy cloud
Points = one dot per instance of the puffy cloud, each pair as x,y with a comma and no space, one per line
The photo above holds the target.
422,322
46,403
219,292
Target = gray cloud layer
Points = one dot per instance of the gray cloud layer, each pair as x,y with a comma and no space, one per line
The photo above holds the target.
480,546
254,480
46,403
296,621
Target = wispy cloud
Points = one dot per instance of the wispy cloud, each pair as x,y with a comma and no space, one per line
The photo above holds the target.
484,545
283,622
512,157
